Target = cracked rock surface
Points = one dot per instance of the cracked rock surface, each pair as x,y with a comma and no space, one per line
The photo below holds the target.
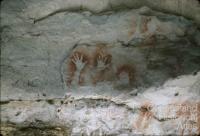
110,67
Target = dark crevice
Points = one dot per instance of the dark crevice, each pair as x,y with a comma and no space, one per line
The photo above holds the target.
56,12
4,102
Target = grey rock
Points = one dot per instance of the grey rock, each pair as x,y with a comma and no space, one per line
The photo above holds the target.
136,51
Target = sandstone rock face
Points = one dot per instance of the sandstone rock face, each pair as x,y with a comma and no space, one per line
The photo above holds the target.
100,67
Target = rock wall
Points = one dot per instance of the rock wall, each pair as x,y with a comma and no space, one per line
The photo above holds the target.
110,67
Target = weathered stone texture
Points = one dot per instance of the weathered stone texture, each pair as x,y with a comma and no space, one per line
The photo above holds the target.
110,67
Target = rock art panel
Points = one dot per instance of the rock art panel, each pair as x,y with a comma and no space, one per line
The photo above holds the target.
91,65
123,67
147,30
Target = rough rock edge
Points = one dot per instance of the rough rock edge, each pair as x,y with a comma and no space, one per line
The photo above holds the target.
189,9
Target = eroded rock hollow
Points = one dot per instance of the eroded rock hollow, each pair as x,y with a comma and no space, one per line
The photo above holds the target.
100,67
